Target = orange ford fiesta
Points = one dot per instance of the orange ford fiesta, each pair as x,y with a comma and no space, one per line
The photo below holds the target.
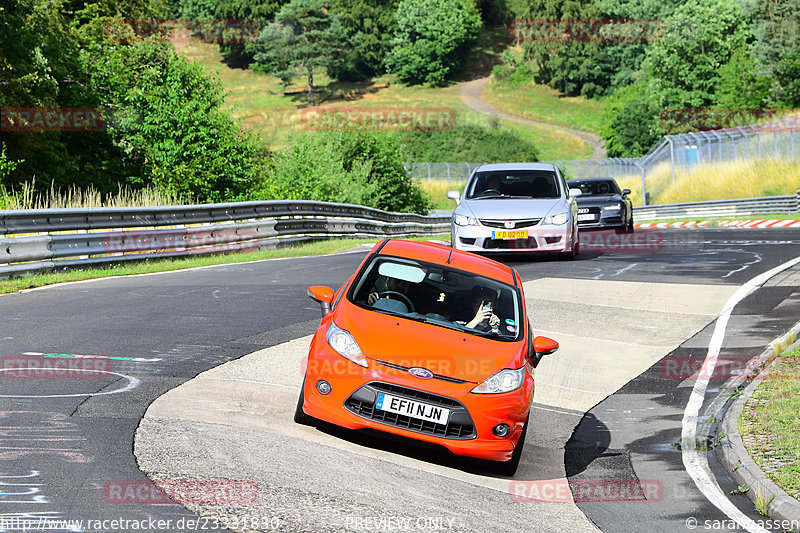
430,343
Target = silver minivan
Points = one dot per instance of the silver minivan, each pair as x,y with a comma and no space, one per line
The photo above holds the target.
516,207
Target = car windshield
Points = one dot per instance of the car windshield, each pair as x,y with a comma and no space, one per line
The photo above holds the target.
514,184
594,186
440,296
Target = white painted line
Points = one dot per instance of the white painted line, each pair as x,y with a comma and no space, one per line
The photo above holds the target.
696,462
132,384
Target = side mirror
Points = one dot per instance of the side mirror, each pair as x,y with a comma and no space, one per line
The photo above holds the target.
625,191
542,346
323,295
454,195
575,192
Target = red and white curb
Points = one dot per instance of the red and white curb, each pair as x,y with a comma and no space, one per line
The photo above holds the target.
724,223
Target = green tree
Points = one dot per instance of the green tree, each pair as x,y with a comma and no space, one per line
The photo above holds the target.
739,85
167,118
432,39
368,25
699,39
259,12
631,122
776,26
306,36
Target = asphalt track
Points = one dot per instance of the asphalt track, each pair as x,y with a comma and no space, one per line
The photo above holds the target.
66,444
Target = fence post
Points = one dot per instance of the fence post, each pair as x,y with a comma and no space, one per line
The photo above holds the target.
644,189
758,134
746,147
671,158
448,173
775,141
791,140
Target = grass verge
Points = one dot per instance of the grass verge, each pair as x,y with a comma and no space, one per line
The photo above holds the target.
770,427
148,266
543,104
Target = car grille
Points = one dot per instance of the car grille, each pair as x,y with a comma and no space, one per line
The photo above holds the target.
517,223
460,425
435,376
508,244
593,210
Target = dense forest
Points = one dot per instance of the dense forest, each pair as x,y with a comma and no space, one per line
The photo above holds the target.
164,125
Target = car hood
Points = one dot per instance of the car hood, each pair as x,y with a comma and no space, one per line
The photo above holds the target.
509,208
443,351
598,199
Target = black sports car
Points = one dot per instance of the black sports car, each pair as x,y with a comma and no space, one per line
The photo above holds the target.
601,204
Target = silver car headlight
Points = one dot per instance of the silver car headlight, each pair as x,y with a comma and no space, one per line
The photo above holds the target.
612,207
506,380
464,220
345,345
558,220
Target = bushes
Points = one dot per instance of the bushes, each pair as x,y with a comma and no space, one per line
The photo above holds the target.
466,142
347,167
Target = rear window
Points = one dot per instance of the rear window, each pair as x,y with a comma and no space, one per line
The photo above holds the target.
594,187
514,184
439,296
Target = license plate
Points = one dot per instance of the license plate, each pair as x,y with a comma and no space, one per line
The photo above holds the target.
588,216
414,409
519,234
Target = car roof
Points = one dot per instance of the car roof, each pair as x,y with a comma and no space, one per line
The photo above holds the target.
438,253
516,166
594,178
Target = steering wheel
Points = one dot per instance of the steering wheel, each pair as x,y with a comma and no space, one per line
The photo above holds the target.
491,191
400,296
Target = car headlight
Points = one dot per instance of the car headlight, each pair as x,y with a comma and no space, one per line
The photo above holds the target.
559,219
616,207
504,381
464,220
345,345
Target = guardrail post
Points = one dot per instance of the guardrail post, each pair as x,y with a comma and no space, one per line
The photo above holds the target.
798,200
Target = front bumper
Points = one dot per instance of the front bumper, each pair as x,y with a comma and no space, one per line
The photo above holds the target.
601,219
477,415
545,239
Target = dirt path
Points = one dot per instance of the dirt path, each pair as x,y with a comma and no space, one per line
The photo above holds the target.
470,93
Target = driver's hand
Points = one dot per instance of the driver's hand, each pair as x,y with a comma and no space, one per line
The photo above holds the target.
483,315
494,320
372,298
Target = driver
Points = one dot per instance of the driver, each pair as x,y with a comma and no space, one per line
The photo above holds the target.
392,284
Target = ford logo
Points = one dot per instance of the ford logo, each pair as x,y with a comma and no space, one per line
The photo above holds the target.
421,373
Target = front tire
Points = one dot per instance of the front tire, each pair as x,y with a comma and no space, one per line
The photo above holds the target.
300,416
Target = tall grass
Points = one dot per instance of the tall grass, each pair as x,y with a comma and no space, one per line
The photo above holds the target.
716,181
734,179
437,191
27,197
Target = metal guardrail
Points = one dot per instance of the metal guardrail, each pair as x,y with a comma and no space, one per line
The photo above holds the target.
44,239
742,207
